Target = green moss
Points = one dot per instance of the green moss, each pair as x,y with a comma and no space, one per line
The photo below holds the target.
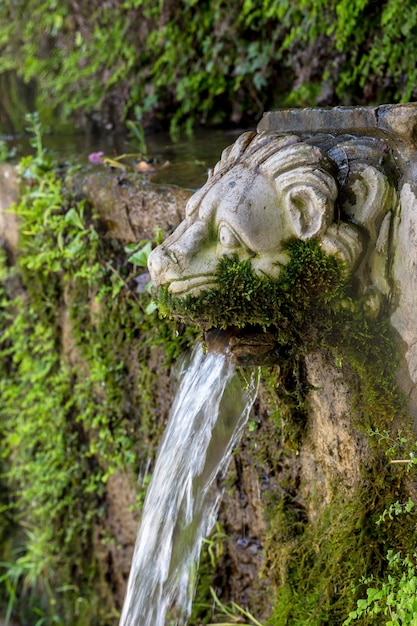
79,399
319,554
319,565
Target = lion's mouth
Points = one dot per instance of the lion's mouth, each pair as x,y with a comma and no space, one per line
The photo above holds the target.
246,346
192,285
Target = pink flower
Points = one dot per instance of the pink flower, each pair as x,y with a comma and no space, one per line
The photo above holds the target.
96,157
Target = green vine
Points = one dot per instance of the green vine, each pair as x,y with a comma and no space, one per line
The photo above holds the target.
79,399
190,63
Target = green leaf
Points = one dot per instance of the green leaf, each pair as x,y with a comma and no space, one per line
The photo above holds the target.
140,257
73,217
151,308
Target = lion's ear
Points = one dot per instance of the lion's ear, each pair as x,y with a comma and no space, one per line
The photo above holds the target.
368,197
308,198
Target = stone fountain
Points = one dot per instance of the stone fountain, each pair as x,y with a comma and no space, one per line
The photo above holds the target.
300,251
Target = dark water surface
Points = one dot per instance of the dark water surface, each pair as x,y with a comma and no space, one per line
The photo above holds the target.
184,162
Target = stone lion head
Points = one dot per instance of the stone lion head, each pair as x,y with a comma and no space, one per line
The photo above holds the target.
268,189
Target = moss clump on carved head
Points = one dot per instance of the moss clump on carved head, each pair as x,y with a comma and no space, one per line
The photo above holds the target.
286,315
310,281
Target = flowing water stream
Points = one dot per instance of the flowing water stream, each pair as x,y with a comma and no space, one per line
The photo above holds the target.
210,409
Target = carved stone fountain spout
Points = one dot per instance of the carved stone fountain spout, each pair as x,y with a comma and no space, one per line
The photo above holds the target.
343,177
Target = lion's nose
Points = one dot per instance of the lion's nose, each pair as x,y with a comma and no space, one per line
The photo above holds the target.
160,265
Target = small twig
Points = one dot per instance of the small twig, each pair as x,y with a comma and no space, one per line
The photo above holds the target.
130,291
401,461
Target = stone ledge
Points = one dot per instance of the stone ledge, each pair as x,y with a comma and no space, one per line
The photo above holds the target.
9,193
130,207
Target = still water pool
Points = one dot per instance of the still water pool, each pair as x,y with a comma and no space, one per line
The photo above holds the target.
183,163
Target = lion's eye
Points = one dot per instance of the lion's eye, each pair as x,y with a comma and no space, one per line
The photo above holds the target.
227,238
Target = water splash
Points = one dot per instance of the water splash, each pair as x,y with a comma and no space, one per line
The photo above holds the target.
209,412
